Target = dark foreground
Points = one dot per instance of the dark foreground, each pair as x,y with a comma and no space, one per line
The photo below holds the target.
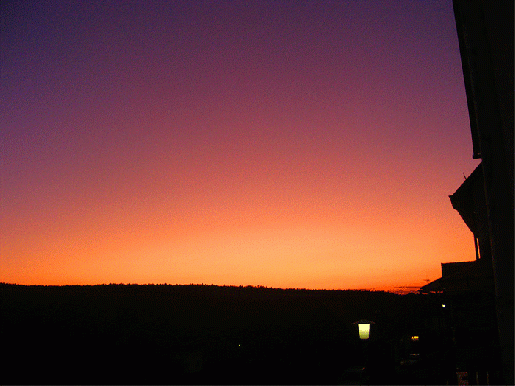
162,334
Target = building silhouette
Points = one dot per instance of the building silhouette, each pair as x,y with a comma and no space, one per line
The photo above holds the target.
485,200
469,294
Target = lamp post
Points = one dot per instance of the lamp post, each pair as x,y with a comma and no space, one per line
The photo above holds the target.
364,335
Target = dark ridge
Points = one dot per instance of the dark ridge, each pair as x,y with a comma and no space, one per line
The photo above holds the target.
208,334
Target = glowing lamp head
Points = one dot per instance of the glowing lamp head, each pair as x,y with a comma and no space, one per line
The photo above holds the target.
364,328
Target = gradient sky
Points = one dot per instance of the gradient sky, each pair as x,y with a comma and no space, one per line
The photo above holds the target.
293,144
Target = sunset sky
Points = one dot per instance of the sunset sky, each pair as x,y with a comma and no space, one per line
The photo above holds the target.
292,144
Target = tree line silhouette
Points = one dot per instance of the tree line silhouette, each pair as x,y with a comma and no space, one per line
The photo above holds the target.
196,333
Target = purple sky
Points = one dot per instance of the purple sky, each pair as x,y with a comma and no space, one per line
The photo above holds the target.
283,143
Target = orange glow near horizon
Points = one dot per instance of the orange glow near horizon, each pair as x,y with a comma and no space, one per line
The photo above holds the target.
315,147
308,254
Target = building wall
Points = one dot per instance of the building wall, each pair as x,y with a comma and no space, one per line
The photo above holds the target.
485,33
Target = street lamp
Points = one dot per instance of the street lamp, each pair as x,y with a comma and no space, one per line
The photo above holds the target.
364,328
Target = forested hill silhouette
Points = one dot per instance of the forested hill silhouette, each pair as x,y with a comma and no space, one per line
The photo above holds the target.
197,333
